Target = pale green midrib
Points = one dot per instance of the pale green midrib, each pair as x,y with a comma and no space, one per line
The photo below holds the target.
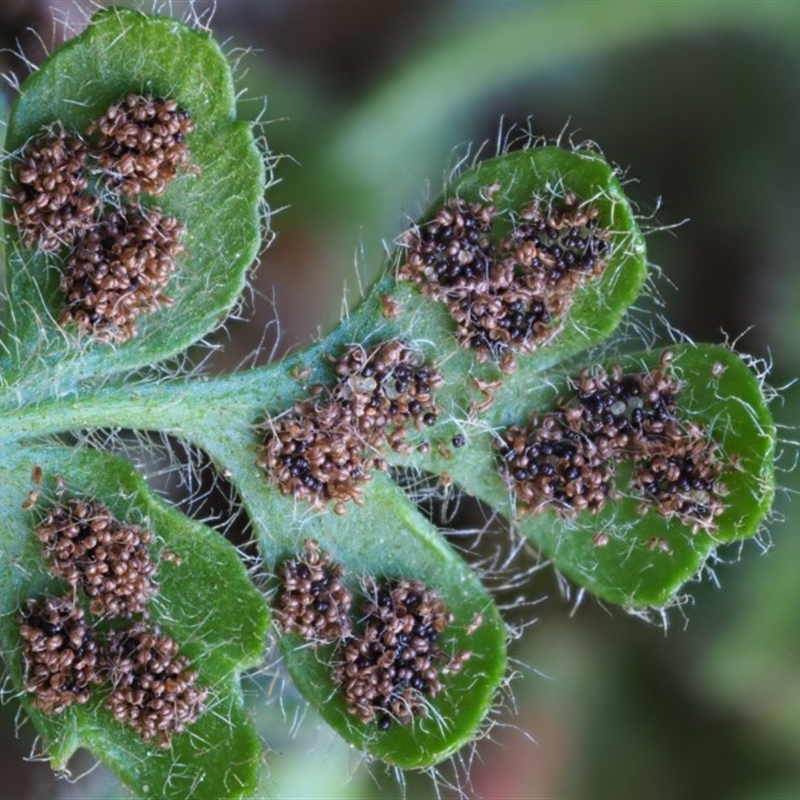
190,408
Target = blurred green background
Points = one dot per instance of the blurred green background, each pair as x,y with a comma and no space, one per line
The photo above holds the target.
366,106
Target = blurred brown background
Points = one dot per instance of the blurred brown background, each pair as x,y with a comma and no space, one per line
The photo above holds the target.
369,103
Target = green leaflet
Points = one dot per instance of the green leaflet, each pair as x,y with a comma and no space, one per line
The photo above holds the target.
124,52
548,173
551,173
207,603
386,538
630,570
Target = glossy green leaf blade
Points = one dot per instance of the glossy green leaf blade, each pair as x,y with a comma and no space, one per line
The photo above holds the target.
207,603
547,173
634,569
387,538
124,52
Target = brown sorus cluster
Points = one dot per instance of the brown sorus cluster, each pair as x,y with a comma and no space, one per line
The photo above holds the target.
568,460
682,479
313,601
142,143
119,270
315,454
49,197
453,253
385,389
60,654
325,449
510,296
122,257
391,669
153,691
85,544
551,465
